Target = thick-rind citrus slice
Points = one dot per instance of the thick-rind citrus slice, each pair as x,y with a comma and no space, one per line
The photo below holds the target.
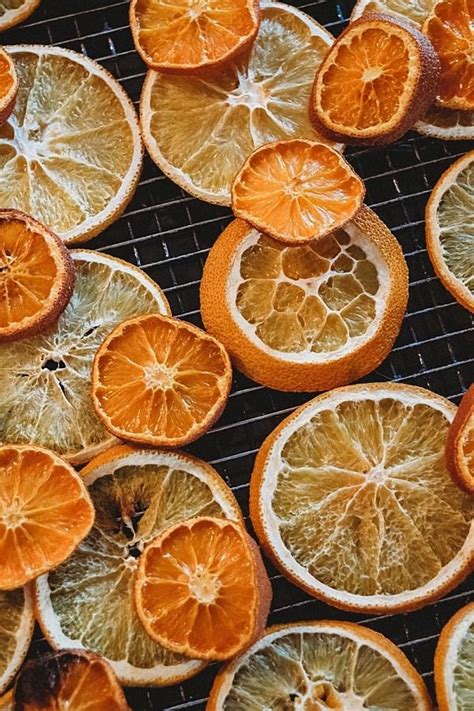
454,662
36,276
460,444
415,10
45,512
88,601
320,665
450,28
306,318
65,160
377,80
17,621
12,12
45,380
199,131
160,381
188,36
202,589
351,497
8,85
72,680
449,229
296,191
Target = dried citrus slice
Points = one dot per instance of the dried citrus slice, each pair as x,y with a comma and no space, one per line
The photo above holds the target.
36,276
12,12
45,512
17,622
7,702
450,27
377,80
8,85
137,494
202,589
45,380
160,381
306,318
415,10
460,444
446,124
192,35
454,662
296,191
72,680
450,230
351,497
65,160
320,665
199,131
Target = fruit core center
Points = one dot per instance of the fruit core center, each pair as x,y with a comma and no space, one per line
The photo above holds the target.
295,187
14,516
248,93
158,377
378,475
29,141
196,8
203,585
372,73
53,363
320,695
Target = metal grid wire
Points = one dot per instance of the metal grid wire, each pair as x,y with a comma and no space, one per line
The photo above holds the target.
168,233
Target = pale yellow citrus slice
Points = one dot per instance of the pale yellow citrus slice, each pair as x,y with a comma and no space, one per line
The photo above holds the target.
454,662
71,151
318,666
88,601
415,10
200,131
45,380
12,12
17,622
352,499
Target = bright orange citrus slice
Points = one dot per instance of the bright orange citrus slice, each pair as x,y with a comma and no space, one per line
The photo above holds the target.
160,381
450,27
190,36
36,276
45,512
460,444
454,662
202,589
296,191
376,81
68,680
8,85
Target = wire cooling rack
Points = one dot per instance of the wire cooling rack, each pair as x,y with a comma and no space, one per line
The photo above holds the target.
168,233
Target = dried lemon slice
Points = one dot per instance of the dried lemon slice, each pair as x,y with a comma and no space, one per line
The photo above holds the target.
17,622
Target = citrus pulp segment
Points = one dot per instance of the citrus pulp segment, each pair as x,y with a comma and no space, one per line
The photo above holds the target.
160,381
380,76
460,444
12,12
202,589
449,229
8,85
65,160
450,27
311,317
199,131
351,497
454,662
45,380
320,665
191,37
296,191
69,680
17,622
36,276
88,601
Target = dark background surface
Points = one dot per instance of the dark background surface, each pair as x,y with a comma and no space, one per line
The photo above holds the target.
168,233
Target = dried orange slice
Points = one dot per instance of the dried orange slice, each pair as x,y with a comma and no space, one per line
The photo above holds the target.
12,13
320,665
415,10
137,494
296,191
7,702
450,230
160,381
454,662
72,680
8,85
446,124
351,498
192,36
17,621
450,27
460,444
66,161
311,317
36,276
202,589
45,512
377,80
